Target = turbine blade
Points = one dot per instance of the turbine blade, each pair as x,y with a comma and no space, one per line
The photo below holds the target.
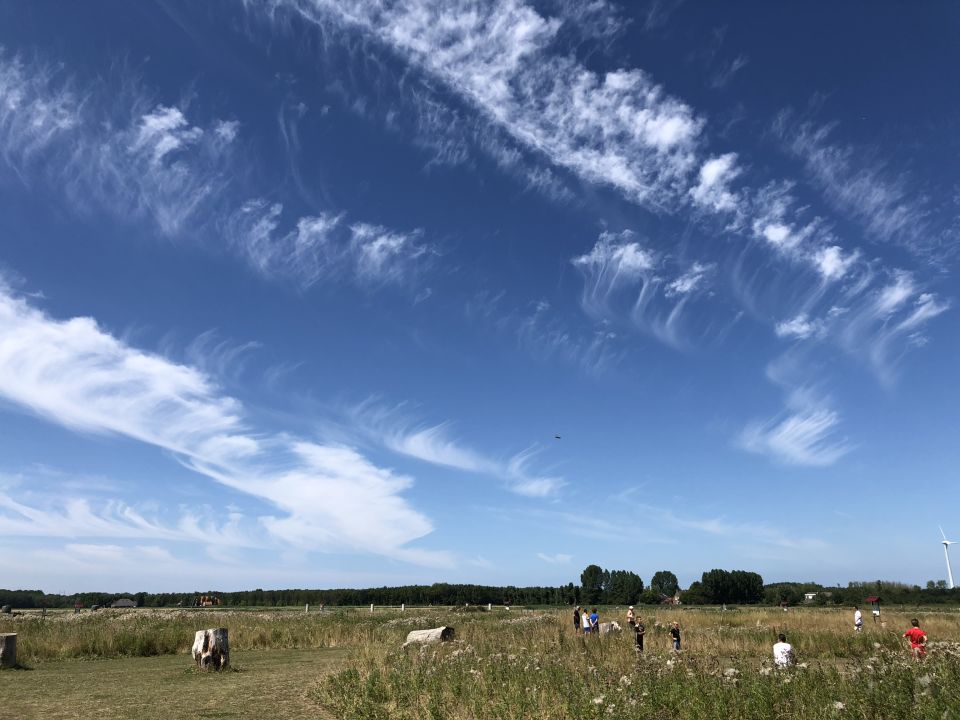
942,533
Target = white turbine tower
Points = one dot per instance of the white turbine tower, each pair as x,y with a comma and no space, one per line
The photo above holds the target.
946,554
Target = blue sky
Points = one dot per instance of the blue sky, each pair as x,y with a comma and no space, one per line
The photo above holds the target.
299,293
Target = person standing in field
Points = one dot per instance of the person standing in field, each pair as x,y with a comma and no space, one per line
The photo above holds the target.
594,621
585,621
639,630
675,635
631,617
782,652
918,640
857,619
576,619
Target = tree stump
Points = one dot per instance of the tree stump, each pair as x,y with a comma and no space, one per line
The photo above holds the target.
211,649
434,635
8,650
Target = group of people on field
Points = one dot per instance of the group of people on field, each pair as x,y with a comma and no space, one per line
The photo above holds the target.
588,622
585,621
916,636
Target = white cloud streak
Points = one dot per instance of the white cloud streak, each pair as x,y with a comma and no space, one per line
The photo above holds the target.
324,247
617,129
138,160
622,277
77,518
129,156
432,444
880,199
798,438
328,498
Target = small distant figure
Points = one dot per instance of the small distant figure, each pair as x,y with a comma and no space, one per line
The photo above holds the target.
675,635
857,619
321,607
918,640
782,652
876,613
594,621
76,607
585,621
631,617
576,619
638,631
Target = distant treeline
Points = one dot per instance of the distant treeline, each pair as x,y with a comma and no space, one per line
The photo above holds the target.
436,594
599,586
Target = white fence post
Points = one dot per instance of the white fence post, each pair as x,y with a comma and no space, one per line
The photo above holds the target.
403,606
306,608
371,607
489,607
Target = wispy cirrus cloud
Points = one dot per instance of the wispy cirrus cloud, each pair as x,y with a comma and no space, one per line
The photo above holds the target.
326,497
393,428
855,181
801,437
139,160
556,558
57,516
618,129
37,109
324,246
626,279
111,147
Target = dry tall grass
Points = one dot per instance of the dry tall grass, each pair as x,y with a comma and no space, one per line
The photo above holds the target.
531,664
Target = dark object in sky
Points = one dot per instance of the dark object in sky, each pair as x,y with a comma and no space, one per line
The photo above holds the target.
556,437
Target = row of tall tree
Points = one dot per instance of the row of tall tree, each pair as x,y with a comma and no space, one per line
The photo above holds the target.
624,587
717,587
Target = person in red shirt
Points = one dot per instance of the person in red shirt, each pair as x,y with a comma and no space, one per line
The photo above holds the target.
918,639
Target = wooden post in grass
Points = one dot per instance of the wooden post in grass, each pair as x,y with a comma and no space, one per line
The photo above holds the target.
211,649
8,650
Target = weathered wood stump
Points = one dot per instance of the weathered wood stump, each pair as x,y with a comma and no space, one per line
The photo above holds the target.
211,649
434,635
8,650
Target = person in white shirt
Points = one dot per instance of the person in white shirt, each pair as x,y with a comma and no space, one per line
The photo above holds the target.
857,619
782,652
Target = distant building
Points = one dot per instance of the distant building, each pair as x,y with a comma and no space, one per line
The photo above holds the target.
123,603
809,597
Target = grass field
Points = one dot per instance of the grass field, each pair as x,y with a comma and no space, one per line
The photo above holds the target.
517,664
264,684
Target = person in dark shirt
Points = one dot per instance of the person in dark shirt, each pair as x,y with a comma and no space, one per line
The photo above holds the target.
639,630
576,619
675,635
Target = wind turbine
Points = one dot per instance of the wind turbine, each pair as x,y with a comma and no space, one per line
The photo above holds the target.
946,554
